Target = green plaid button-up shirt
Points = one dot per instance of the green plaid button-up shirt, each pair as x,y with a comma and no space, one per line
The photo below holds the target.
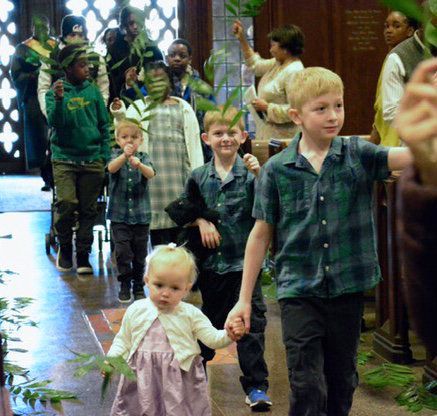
233,199
323,222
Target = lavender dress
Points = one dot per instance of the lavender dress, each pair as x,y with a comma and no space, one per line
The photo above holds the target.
162,388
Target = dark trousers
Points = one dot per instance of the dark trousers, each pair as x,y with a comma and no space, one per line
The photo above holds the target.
164,236
77,189
321,338
130,244
220,293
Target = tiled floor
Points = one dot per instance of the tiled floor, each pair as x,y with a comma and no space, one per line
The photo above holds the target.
67,307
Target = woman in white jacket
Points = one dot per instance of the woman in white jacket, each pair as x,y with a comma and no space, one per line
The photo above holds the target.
172,140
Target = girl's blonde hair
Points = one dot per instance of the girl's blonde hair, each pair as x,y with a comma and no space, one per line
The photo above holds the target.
172,255
313,82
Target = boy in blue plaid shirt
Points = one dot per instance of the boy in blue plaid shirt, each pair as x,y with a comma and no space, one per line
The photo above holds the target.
315,198
129,207
226,184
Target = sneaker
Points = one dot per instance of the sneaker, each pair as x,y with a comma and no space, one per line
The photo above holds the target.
46,188
258,400
64,259
83,264
124,295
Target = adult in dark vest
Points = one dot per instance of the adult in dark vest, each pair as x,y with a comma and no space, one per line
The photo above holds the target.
25,68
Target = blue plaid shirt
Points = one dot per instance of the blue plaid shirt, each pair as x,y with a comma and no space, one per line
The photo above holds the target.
324,226
129,200
233,199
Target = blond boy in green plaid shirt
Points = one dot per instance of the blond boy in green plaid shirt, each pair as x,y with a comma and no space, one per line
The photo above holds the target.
315,197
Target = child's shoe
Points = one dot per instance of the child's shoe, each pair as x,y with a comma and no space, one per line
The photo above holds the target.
124,295
64,260
83,263
258,400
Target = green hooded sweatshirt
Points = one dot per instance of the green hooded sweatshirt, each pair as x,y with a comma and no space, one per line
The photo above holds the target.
80,124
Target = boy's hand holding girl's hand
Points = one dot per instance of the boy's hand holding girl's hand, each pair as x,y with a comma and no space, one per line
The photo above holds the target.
58,89
251,163
236,329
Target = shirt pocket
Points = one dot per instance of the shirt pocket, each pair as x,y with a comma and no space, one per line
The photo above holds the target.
237,206
296,201
345,183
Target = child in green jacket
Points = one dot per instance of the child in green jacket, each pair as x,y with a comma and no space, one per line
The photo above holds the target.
80,148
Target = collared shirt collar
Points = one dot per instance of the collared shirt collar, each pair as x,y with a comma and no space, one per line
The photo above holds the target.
291,155
238,169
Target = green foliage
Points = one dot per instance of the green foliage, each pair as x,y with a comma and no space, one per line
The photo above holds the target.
24,389
107,366
363,357
244,8
389,374
416,398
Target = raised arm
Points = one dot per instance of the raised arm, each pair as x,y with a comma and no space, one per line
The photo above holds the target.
238,31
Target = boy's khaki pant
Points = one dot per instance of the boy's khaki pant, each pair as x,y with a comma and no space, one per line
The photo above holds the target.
77,187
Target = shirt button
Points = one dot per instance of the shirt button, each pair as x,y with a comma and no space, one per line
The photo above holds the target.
327,268
219,253
219,205
322,198
324,222
219,221
130,180
326,245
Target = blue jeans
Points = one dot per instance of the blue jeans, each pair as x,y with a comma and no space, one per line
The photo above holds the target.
321,338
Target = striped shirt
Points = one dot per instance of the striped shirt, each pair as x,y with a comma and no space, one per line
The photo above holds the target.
324,222
129,200
233,199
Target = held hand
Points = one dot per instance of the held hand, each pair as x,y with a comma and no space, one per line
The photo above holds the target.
116,104
237,329
128,150
241,310
58,88
251,163
131,76
238,30
260,105
209,234
134,162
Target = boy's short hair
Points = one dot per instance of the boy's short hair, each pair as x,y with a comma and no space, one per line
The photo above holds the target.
218,117
172,255
289,37
312,82
180,41
70,54
127,122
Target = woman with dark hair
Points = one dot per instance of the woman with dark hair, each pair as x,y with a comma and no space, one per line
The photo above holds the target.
286,47
172,140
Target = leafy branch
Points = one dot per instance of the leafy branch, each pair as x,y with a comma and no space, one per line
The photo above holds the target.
107,366
241,8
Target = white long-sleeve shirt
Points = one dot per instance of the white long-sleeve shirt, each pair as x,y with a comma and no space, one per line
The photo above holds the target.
393,84
183,327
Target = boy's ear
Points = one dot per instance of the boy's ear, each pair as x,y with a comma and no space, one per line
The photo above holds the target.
204,137
294,115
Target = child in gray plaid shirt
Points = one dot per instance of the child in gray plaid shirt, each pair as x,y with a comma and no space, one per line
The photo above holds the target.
129,207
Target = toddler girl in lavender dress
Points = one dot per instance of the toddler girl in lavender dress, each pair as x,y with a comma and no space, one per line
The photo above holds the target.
158,337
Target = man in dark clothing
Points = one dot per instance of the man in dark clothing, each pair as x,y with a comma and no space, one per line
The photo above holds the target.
25,68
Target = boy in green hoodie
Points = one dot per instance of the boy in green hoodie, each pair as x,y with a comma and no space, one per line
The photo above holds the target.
80,148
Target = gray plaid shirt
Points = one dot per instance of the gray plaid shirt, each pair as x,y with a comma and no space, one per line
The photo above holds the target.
129,200
233,199
324,226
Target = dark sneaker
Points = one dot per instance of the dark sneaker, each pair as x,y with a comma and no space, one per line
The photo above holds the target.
83,264
258,400
64,260
138,289
139,295
46,188
124,295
